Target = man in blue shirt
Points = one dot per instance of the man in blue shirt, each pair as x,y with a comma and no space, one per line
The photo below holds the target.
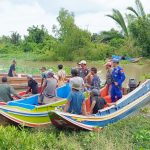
76,101
118,78
95,84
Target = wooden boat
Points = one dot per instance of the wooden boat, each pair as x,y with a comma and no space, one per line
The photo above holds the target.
20,75
21,81
123,108
28,113
135,60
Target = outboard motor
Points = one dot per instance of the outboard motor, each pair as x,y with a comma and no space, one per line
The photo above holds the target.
132,84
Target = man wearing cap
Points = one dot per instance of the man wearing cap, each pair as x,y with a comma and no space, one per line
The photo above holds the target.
83,71
76,101
118,78
12,69
48,94
32,85
6,91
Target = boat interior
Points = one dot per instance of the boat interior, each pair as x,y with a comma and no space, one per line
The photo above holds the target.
32,102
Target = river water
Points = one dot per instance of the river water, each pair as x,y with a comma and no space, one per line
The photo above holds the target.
132,70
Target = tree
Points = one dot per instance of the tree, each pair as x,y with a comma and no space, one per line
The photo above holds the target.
70,37
106,36
15,38
36,34
139,10
118,17
5,39
140,30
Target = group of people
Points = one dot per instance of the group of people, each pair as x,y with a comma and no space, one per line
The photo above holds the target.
82,79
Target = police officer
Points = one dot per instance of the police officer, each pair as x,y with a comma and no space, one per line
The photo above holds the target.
118,78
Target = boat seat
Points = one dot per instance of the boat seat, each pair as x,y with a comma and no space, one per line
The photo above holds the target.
104,91
63,91
29,103
88,104
27,106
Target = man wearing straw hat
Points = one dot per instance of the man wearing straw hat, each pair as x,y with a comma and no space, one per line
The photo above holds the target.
76,101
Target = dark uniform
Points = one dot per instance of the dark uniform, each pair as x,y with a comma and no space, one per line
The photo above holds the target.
83,72
33,85
11,69
118,76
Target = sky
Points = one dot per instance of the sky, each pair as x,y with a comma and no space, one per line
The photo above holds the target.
18,15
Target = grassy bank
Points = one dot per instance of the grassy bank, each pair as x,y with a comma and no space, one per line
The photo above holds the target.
131,133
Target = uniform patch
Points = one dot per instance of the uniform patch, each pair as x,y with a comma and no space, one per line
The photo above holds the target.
121,71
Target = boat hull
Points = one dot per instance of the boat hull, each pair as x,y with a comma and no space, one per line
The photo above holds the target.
36,117
24,120
124,108
28,113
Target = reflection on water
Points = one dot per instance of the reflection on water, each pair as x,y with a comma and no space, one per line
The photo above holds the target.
131,70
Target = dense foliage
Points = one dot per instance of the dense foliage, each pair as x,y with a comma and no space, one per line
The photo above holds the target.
69,42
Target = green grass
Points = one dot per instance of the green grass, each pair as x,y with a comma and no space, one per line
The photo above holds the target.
131,133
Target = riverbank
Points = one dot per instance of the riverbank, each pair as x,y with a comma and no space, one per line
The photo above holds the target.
132,133
139,70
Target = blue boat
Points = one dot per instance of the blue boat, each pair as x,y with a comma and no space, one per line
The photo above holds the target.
123,108
133,60
28,113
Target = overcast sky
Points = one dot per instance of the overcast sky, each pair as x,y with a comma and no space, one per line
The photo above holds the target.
18,15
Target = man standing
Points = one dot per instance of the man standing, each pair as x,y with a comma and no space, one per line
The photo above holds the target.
32,85
83,71
61,75
48,94
95,81
43,75
118,78
6,91
109,76
12,69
